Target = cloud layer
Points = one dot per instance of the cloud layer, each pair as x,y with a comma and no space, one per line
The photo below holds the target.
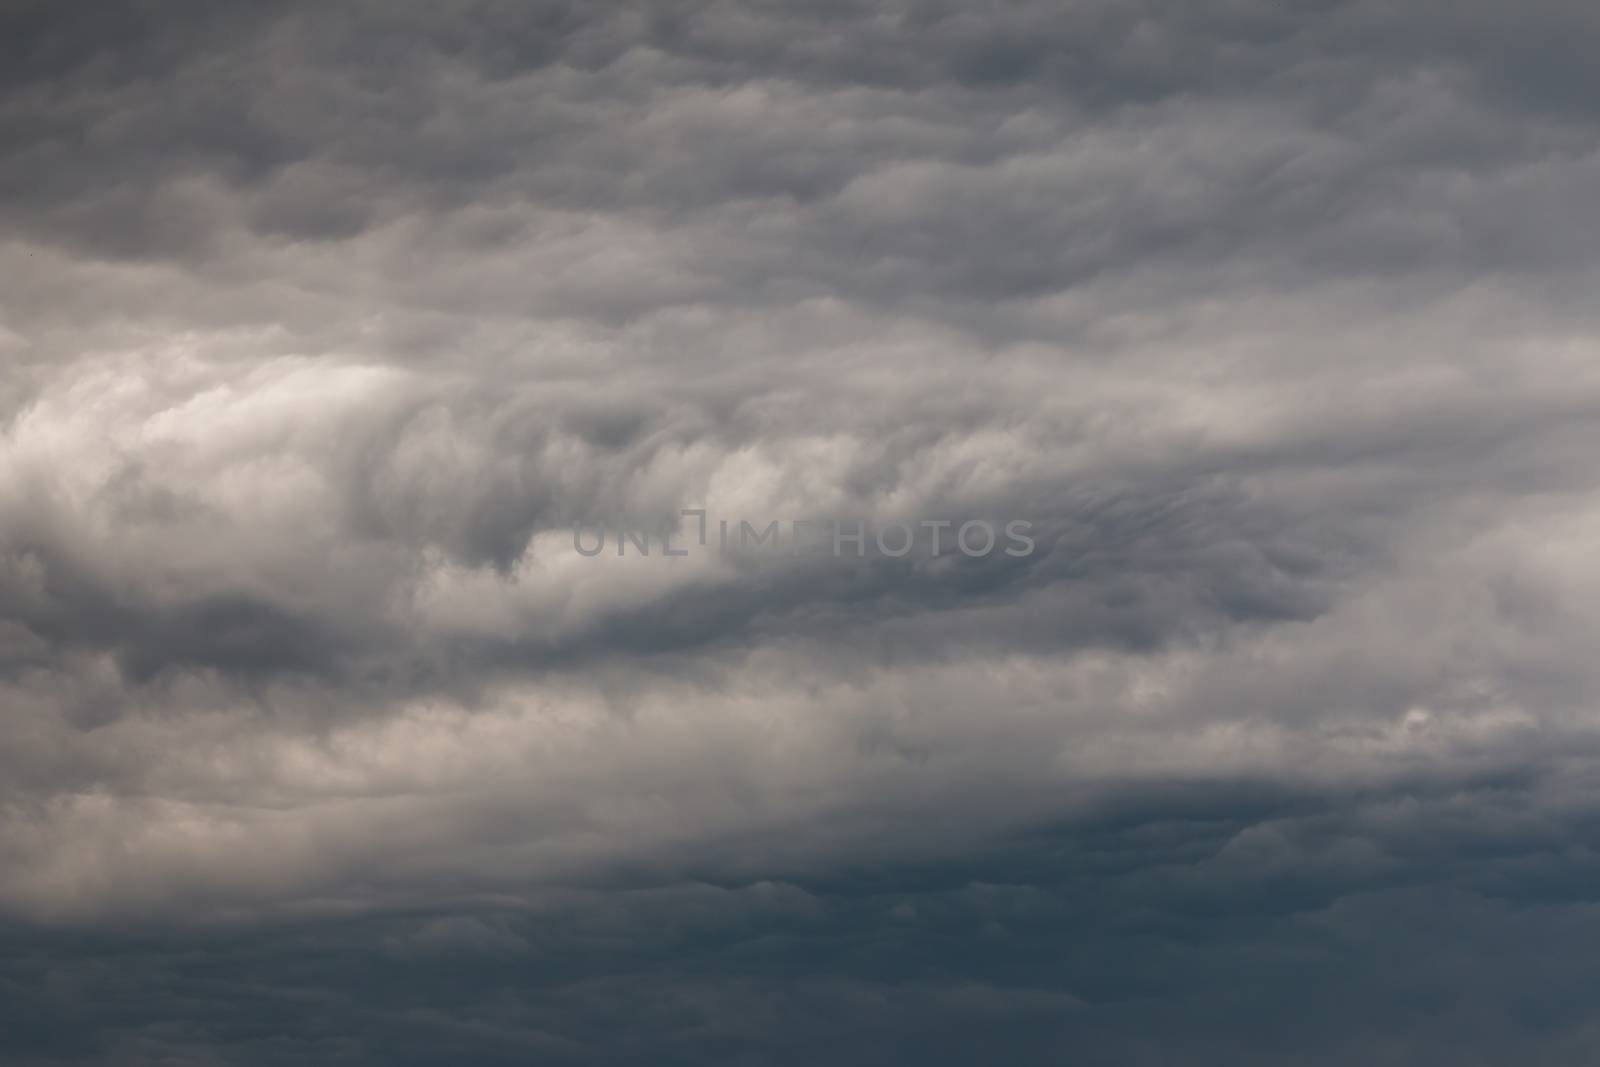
322,328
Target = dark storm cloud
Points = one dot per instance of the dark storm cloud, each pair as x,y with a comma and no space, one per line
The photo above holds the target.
324,325
981,164
1107,940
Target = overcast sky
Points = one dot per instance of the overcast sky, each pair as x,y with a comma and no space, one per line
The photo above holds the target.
322,325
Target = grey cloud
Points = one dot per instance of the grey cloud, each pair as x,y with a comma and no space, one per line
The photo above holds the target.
1077,940
323,327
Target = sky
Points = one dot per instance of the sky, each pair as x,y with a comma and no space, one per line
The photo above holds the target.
323,327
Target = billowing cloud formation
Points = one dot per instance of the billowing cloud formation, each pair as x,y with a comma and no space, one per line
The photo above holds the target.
322,329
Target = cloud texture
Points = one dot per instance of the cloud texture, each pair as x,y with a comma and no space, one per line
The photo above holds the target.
323,325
